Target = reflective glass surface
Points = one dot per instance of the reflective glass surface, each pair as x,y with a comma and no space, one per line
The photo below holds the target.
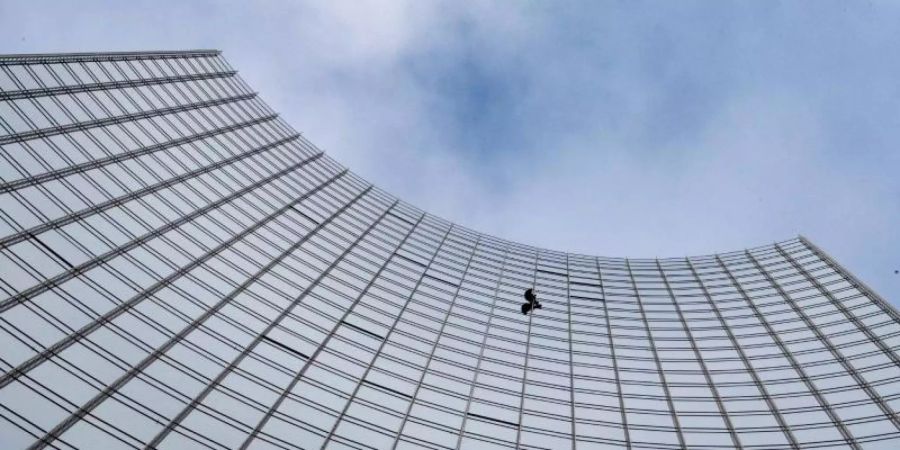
180,268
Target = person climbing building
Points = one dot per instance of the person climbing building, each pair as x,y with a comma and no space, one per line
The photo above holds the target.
531,303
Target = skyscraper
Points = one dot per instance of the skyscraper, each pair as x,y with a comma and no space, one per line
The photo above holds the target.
179,268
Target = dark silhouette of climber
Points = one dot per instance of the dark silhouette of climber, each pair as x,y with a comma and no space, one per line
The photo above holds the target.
532,302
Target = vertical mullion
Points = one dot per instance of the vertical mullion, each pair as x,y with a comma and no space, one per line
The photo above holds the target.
381,346
527,352
571,352
84,267
235,183
113,387
746,361
435,346
96,208
706,375
612,353
246,351
127,155
825,341
115,120
487,329
45,91
826,407
662,376
321,347
840,307
866,290
132,302
284,393
338,324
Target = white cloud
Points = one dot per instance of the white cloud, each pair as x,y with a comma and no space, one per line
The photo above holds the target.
649,129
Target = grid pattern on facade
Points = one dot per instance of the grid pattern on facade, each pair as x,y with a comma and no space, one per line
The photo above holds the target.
179,268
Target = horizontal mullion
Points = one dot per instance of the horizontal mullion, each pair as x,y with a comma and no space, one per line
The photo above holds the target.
131,303
75,271
104,86
86,125
63,221
101,162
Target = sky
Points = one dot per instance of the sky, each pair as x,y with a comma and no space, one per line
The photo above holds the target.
640,128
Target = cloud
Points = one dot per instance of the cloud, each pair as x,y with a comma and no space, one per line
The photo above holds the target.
640,128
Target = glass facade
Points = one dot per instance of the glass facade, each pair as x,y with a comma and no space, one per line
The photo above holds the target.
179,268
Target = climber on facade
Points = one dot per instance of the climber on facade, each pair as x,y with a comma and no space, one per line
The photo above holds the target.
531,303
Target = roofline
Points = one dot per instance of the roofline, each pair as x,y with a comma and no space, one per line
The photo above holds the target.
887,306
44,58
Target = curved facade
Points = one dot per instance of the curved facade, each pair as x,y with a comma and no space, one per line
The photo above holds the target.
179,268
